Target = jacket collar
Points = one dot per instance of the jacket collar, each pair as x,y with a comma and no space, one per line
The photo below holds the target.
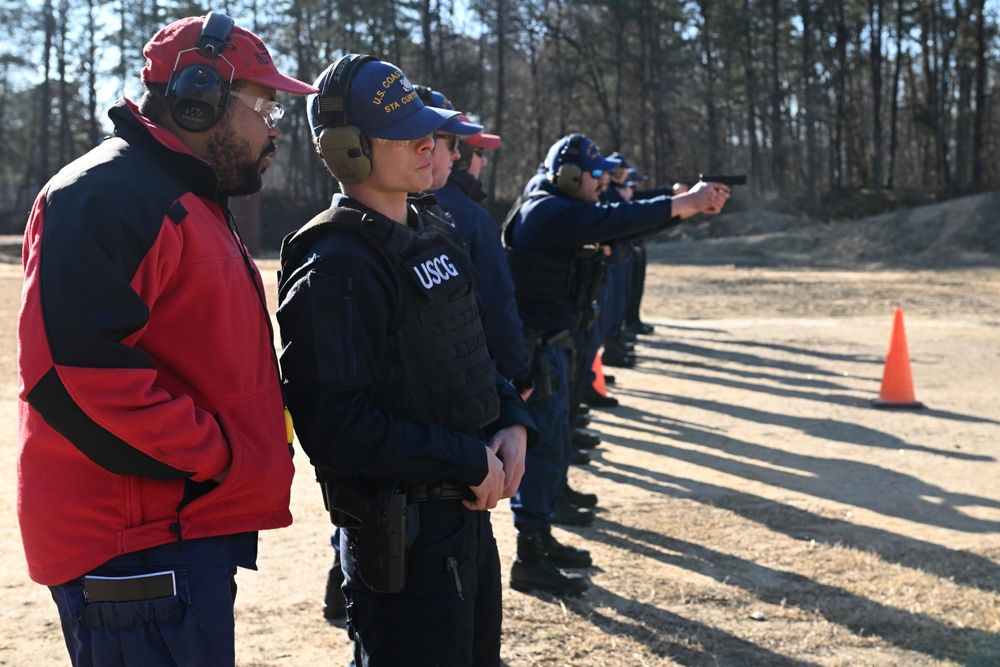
141,132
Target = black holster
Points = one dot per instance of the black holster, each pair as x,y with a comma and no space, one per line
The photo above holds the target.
385,526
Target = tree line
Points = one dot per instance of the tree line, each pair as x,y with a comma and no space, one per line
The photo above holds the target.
824,104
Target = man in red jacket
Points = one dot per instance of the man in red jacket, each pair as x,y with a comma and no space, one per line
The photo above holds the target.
152,438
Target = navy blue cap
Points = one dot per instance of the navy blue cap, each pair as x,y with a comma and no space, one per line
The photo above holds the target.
460,125
381,103
588,159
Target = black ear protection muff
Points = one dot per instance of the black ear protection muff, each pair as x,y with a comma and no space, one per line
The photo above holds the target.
345,150
198,94
569,175
465,161
424,93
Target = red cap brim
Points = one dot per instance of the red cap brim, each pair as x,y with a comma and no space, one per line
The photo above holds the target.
483,140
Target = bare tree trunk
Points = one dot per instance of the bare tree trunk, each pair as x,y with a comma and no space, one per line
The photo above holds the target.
45,96
875,19
808,98
897,68
427,37
501,66
66,101
751,75
964,64
778,157
93,126
840,102
978,139
708,53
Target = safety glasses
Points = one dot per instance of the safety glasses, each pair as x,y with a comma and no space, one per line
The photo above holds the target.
269,110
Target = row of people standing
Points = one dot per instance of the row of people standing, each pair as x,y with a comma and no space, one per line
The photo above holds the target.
556,237
152,400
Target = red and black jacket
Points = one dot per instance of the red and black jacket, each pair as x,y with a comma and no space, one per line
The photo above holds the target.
145,361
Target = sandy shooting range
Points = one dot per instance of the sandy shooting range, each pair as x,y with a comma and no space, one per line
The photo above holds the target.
755,509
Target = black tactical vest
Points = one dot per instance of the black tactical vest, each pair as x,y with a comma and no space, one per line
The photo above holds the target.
571,277
437,368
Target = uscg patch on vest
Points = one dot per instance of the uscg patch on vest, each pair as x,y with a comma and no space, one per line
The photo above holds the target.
438,270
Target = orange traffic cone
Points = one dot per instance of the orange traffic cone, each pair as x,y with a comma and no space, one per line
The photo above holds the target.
897,382
599,385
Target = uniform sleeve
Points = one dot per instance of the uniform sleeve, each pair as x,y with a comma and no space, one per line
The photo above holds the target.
559,221
513,411
333,318
502,323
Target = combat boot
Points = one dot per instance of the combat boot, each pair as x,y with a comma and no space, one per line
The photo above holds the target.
563,555
571,515
532,570
578,498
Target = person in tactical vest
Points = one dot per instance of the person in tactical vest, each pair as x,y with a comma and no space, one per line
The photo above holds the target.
554,238
444,153
412,433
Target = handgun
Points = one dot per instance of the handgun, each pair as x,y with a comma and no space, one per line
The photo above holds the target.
725,179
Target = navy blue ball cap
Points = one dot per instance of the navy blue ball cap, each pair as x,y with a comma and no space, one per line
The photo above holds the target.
381,103
588,158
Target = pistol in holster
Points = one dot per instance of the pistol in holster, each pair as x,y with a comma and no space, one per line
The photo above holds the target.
541,364
385,525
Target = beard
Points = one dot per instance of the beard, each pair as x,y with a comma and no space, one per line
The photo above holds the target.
229,154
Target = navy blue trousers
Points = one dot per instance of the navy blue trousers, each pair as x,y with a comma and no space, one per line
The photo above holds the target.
194,628
547,462
449,613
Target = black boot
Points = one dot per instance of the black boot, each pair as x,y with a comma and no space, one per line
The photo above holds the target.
532,570
596,400
586,438
563,555
569,515
334,602
579,499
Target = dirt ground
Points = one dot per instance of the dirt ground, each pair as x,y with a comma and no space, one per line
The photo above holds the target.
755,509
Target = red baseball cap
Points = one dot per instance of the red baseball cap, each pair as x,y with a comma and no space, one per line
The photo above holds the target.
483,140
243,50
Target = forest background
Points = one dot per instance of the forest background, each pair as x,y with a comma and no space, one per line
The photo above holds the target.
834,109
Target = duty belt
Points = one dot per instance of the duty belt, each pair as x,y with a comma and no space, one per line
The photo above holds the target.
443,489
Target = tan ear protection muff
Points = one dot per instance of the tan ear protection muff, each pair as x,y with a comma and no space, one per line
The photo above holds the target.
569,176
198,94
345,150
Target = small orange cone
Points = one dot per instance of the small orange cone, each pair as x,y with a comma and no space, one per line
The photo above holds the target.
599,385
897,381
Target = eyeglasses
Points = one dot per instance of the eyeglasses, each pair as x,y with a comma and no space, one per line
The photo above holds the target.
451,139
269,110
478,150
596,173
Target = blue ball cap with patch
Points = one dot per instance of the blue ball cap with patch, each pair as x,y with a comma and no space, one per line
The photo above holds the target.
381,103
588,156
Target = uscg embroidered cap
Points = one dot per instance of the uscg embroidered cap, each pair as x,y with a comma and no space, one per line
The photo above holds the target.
588,157
381,103
243,50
